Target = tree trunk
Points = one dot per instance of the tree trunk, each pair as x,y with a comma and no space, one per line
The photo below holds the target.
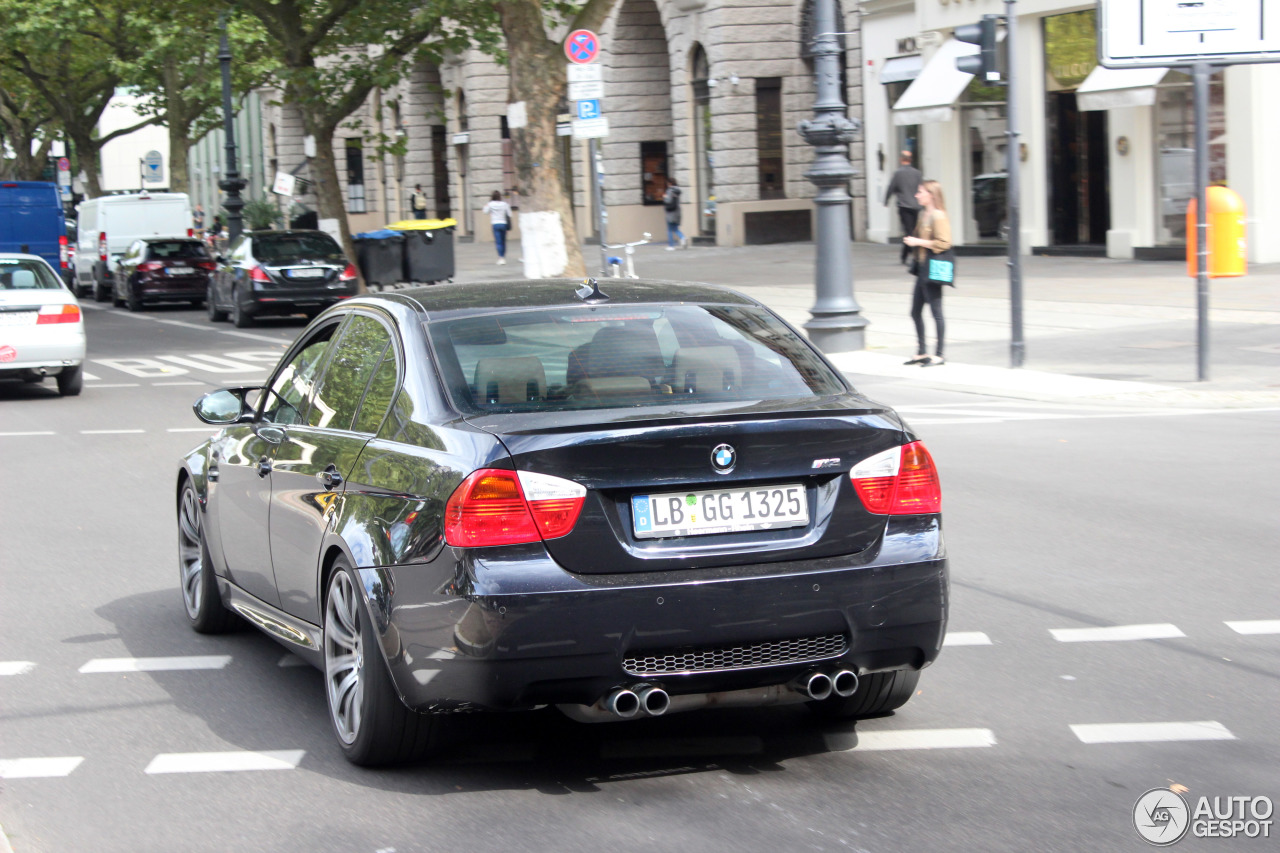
87,158
329,202
179,164
549,239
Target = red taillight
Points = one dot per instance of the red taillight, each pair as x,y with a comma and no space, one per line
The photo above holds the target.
58,314
206,265
62,251
150,266
102,245
349,274
259,274
499,507
191,232
899,481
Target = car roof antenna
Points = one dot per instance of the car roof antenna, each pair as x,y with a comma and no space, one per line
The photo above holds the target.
590,292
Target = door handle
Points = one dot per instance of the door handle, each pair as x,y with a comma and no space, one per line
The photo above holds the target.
330,477
264,467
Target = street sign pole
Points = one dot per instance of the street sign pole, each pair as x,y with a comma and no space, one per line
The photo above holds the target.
597,192
1200,84
1013,192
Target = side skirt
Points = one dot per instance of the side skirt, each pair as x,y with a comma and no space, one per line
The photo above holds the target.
300,637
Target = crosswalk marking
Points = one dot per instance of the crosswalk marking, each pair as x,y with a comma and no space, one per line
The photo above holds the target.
225,762
16,667
966,638
925,739
1255,626
1151,732
38,768
1115,633
156,664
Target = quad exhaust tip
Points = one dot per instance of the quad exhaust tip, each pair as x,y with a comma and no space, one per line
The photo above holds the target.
623,703
844,683
816,685
653,700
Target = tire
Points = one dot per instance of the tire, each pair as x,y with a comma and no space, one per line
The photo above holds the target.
102,291
132,300
878,694
203,604
211,308
71,381
372,725
239,318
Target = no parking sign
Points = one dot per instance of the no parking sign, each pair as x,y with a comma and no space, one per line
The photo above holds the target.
582,47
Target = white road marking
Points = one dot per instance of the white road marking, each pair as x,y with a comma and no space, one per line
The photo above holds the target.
38,768
173,384
192,429
117,385
1151,732
89,377
32,432
16,667
1255,626
210,363
1115,633
966,638
112,431
156,664
225,762
925,739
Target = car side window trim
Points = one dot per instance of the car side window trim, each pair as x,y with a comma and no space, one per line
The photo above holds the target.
287,361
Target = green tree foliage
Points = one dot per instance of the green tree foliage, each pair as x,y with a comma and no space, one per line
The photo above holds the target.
24,118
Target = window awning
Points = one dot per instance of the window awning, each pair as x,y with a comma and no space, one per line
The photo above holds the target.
901,68
932,95
1109,88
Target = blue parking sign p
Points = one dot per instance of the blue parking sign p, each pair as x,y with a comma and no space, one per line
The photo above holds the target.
589,109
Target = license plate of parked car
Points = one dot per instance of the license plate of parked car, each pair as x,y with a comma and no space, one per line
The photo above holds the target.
17,318
181,270
312,273
719,511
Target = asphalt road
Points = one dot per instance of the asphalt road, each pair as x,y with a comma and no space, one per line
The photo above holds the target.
1161,525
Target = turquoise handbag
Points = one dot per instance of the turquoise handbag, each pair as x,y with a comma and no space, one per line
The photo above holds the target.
942,269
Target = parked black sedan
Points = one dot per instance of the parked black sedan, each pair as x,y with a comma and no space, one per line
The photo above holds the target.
277,273
480,497
162,269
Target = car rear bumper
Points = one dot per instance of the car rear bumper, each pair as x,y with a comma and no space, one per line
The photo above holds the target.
186,287
294,300
518,631
50,346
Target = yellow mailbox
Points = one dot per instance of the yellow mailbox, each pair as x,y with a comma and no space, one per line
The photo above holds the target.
1227,248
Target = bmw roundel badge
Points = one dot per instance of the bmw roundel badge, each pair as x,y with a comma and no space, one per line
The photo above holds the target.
723,458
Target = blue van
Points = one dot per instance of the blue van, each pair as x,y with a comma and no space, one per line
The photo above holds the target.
32,220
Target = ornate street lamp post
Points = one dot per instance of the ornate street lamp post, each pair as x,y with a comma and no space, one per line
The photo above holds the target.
836,325
231,182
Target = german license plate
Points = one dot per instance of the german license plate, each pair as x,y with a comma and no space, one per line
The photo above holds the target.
17,318
308,273
181,270
719,511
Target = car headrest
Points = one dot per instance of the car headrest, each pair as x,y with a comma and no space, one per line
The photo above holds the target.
516,379
706,370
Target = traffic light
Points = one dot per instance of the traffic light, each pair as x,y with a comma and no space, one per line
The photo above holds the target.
986,63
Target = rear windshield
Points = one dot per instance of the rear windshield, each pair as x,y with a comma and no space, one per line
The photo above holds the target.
163,251
287,248
18,274
581,358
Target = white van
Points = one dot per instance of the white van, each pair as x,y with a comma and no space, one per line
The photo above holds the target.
108,225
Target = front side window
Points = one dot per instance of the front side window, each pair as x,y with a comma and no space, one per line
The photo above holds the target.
363,342
629,356
290,393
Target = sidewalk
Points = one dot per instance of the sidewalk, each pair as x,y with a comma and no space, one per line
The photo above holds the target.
1095,329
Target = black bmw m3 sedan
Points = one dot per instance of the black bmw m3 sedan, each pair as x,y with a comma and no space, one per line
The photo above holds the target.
496,497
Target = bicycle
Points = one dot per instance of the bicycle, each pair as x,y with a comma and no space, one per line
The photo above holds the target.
628,249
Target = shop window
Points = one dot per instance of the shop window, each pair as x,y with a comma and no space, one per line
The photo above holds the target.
653,171
355,177
1176,150
769,137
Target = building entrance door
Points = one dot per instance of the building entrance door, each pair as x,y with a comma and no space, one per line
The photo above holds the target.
1079,199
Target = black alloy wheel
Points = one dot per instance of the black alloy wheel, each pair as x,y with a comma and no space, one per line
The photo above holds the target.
211,307
372,725
205,610
878,693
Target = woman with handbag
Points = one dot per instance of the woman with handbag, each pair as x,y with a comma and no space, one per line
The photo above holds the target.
500,217
934,265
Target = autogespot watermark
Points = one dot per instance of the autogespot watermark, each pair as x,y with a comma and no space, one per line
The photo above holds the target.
1163,817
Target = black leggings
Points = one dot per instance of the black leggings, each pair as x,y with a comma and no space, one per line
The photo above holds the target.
931,292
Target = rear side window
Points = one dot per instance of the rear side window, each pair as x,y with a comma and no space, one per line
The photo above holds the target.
359,350
580,358
18,274
291,248
175,249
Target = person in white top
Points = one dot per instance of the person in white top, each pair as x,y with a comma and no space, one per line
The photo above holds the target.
500,216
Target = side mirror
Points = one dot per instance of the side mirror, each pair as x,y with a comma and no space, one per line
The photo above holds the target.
224,407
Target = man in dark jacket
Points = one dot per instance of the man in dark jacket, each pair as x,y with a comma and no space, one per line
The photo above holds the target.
904,184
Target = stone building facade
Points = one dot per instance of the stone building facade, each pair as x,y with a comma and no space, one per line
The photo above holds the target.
706,92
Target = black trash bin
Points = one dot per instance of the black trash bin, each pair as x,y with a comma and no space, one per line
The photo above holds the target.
428,254
380,255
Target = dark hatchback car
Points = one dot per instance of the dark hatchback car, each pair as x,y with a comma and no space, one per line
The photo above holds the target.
279,273
159,269
480,497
